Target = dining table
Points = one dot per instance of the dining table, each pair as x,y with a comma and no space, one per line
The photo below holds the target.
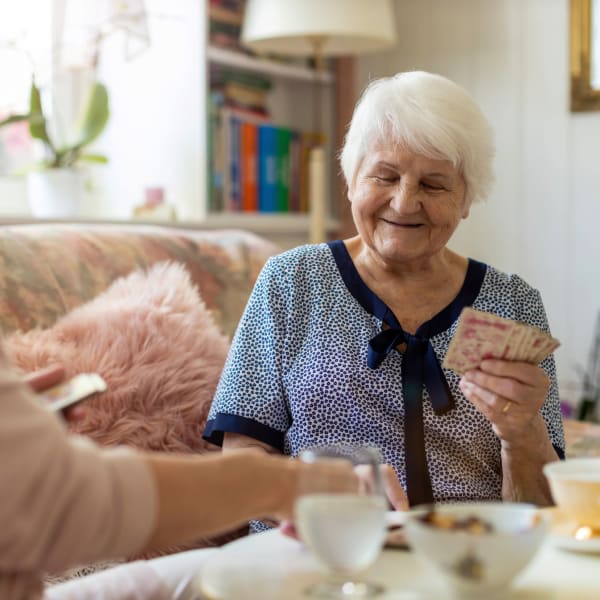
272,566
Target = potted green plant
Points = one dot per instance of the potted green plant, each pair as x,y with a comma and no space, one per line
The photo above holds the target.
56,184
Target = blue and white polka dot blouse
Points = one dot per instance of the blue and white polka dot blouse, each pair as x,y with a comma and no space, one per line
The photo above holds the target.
303,370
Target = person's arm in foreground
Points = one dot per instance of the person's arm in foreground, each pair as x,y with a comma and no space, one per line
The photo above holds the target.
67,502
203,496
510,395
220,482
393,489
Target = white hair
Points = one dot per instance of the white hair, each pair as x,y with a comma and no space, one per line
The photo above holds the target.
429,115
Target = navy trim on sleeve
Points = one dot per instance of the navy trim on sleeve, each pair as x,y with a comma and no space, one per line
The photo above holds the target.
226,423
559,451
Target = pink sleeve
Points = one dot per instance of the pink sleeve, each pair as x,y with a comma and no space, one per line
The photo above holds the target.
131,581
64,501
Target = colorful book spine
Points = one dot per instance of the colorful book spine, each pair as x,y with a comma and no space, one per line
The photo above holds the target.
235,189
249,164
216,152
294,193
267,168
284,136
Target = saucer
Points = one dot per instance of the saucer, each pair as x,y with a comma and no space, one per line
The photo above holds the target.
566,541
563,535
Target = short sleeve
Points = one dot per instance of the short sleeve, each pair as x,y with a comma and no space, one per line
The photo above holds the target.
250,399
534,313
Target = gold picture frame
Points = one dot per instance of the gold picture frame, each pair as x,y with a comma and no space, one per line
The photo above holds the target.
584,97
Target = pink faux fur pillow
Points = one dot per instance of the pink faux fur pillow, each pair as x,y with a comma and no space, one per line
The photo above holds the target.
154,341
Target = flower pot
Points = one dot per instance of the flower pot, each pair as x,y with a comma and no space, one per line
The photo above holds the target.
56,193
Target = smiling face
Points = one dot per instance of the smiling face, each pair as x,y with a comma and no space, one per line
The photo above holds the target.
406,206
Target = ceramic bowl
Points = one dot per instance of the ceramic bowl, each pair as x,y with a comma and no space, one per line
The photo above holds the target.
575,487
476,562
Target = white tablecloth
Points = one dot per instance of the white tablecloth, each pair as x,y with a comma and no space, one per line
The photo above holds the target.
269,566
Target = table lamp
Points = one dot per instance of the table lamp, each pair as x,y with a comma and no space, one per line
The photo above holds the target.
318,28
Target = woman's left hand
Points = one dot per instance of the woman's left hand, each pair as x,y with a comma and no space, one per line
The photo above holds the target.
509,393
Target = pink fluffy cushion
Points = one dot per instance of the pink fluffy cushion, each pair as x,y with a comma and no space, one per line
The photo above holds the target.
154,341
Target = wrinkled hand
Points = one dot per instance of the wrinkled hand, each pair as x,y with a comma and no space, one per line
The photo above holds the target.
393,488
508,393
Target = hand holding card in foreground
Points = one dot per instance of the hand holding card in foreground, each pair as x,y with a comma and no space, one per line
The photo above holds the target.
77,389
480,335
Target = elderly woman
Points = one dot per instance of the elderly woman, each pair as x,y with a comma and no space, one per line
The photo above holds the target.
343,341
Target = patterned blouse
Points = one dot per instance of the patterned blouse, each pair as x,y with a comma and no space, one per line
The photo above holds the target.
311,364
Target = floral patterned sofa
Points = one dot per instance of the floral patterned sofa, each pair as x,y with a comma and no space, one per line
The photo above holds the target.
48,269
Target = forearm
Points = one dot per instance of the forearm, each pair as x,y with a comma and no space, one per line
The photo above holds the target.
201,496
238,441
522,462
64,501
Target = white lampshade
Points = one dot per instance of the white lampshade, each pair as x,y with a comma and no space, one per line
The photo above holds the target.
344,26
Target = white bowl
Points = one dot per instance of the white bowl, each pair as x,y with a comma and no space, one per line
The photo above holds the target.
479,565
575,487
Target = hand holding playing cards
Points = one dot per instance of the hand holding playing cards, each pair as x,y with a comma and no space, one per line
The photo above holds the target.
499,361
44,379
480,335
509,393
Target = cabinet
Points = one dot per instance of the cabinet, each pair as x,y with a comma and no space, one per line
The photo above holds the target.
291,103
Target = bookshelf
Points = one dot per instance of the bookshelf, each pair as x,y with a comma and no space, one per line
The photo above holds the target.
289,107
245,62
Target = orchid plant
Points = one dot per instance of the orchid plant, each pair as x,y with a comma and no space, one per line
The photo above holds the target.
91,123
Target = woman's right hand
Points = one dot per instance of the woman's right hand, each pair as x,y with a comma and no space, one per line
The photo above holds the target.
393,488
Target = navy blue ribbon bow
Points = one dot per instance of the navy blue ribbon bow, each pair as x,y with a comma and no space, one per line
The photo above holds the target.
420,367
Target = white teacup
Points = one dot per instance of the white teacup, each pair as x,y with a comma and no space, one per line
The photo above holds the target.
575,487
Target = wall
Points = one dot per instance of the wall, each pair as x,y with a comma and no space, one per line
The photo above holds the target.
542,218
154,136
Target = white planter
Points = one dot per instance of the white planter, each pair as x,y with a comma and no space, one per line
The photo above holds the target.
56,193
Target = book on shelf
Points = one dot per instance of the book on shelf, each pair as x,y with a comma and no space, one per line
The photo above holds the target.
249,166
258,166
267,168
224,35
233,200
240,89
284,138
215,152
221,13
255,164
295,156
224,24
234,150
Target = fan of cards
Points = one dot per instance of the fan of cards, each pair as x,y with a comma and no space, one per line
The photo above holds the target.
480,335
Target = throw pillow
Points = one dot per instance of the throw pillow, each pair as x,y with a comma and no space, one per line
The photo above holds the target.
154,341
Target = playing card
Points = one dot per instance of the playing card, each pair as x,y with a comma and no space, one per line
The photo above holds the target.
515,343
77,389
480,335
